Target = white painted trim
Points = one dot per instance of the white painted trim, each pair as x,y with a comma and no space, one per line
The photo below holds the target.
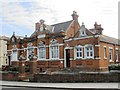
105,58
47,46
110,48
102,67
111,61
98,58
104,46
97,45
116,48
9,50
51,60
65,57
60,44
81,38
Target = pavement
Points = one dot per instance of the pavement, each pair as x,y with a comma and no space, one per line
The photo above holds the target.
114,86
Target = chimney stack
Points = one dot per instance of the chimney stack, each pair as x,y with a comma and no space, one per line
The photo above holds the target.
98,28
75,16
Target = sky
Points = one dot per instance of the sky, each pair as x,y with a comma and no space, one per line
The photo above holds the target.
20,16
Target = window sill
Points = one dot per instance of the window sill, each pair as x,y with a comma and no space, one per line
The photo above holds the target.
79,58
89,58
105,58
98,58
111,61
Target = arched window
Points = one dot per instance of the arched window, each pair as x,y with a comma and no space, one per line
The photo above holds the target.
78,52
54,49
30,49
41,50
89,51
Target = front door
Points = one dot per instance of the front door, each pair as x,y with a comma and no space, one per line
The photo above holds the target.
67,57
9,60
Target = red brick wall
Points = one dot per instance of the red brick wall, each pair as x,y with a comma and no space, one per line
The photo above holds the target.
106,62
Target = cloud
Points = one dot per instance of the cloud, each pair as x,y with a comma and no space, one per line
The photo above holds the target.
25,13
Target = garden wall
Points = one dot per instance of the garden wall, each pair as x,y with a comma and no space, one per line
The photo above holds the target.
10,76
82,77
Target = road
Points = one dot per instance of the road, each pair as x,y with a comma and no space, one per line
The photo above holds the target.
24,88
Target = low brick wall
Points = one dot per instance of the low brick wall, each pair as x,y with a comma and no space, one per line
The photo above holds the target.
82,77
10,76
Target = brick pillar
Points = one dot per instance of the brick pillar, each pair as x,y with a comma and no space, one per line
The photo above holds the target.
22,74
33,67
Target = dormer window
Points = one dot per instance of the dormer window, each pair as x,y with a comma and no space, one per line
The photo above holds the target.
83,33
82,30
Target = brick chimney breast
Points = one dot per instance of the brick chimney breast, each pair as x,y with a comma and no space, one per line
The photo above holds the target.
75,16
98,28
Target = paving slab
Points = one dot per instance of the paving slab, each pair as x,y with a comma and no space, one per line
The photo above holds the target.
61,85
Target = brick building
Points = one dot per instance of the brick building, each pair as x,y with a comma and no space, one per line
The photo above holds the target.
3,50
66,44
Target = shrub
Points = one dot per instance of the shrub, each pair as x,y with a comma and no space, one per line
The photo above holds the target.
14,69
114,67
27,68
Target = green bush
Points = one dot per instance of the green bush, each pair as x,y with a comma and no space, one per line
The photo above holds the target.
14,69
114,67
27,68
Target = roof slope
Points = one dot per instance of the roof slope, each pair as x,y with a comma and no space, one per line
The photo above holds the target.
61,26
108,39
56,27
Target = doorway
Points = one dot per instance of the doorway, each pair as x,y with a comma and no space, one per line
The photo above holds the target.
67,58
9,60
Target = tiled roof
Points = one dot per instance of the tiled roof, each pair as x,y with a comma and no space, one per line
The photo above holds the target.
56,27
92,31
61,26
108,39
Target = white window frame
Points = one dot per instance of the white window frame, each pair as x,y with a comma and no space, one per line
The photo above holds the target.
78,51
110,54
53,43
105,52
116,53
42,50
54,51
89,51
14,55
30,49
81,33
